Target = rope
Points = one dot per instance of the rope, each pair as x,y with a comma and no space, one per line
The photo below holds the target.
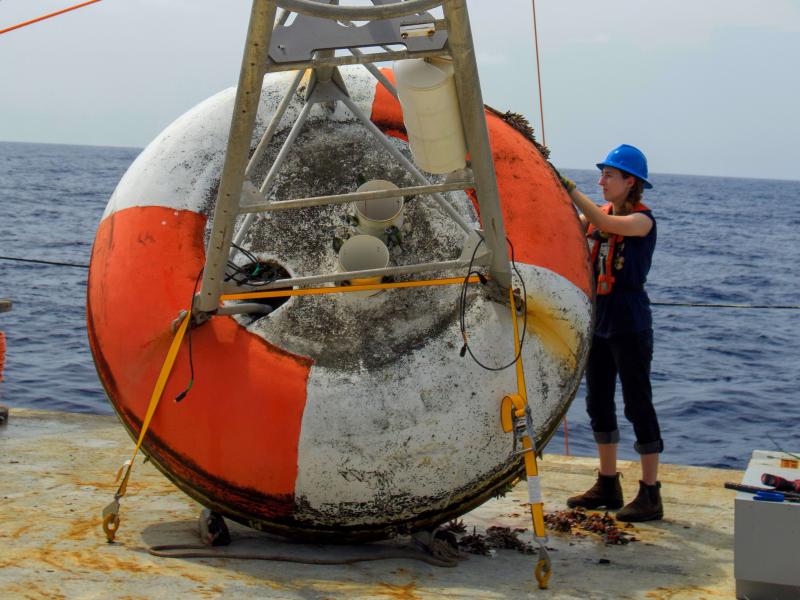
42,18
44,262
777,445
544,143
404,284
198,551
538,71
750,306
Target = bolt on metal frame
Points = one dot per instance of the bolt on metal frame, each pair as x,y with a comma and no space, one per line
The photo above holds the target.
263,54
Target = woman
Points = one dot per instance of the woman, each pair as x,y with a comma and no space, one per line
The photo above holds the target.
622,236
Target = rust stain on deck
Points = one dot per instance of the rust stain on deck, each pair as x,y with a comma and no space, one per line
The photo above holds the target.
82,528
700,593
398,592
51,544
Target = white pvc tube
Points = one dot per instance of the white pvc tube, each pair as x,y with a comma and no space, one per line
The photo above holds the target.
375,216
362,252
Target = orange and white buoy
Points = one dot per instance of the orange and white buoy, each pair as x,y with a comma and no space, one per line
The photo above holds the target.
352,417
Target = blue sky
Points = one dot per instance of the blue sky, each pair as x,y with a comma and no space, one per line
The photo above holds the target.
707,87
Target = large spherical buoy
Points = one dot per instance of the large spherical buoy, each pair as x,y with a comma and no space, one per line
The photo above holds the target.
334,416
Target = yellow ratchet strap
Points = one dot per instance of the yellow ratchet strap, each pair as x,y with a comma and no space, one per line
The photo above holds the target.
515,407
345,289
111,512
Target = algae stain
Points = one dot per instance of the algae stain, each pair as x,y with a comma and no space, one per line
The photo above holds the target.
558,335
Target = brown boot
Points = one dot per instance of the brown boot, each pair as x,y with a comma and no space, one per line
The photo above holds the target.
646,506
606,492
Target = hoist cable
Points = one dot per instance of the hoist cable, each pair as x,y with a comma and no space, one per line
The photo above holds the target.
538,71
43,17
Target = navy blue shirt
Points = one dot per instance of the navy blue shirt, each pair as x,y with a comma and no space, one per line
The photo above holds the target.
627,308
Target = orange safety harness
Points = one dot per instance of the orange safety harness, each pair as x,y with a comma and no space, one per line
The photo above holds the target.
605,275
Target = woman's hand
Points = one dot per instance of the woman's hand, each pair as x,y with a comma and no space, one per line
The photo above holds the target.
632,225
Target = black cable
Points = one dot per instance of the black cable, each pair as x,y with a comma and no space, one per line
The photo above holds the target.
707,305
237,270
462,310
44,262
246,252
254,275
248,279
182,395
191,326
463,296
778,446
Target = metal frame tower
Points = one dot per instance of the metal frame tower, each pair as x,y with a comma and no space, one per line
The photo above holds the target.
314,40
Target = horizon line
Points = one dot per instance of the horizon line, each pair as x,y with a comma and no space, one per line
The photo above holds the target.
140,148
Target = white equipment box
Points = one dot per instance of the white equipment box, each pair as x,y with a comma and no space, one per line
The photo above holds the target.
767,534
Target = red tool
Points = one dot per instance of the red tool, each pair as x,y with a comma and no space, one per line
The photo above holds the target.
780,484
751,489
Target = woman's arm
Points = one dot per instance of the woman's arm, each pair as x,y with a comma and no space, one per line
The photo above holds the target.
584,222
633,225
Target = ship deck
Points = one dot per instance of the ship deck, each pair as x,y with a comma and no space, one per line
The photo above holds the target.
56,475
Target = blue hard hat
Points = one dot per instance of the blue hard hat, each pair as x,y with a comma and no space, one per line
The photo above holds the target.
629,159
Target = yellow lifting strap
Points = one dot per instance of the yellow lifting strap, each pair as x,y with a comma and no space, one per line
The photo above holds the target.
515,406
111,512
351,288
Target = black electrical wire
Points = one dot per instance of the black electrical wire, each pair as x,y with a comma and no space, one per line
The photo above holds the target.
463,296
246,252
462,309
182,395
252,276
191,326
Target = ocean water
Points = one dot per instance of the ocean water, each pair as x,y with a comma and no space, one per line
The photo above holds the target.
725,381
